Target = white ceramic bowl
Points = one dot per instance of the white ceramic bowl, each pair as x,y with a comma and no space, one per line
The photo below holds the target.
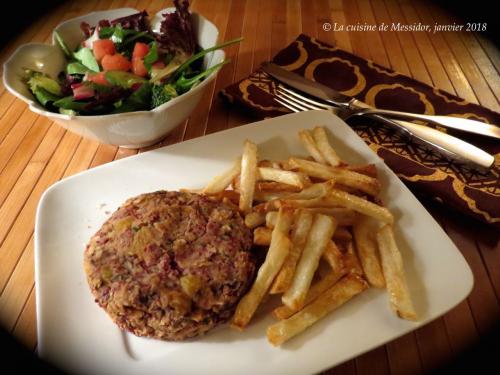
132,129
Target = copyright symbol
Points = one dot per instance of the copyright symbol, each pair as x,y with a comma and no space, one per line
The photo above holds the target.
327,26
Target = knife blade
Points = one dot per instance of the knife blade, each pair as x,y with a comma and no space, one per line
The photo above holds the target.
338,99
307,86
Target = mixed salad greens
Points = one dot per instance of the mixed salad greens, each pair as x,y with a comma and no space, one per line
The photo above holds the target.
123,66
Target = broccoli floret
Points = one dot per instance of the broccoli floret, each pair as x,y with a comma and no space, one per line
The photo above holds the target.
162,94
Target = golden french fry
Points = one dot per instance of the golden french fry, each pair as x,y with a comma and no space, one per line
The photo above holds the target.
323,270
271,217
272,205
334,257
254,219
314,191
276,255
332,298
312,168
320,234
265,163
283,164
268,196
284,220
221,182
271,186
270,164
301,227
366,169
279,175
248,175
316,289
261,207
392,266
262,236
355,180
235,183
342,234
324,147
350,190
294,200
353,202
307,203
340,175
308,142
307,180
351,261
344,216
364,236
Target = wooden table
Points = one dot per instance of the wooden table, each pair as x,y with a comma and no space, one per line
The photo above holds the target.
35,153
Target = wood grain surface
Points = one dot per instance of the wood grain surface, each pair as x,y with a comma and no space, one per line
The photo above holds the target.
35,152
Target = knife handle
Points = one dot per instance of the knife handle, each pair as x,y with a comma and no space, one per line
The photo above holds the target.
463,124
453,147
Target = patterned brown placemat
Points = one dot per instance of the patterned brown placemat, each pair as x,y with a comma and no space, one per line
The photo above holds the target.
469,190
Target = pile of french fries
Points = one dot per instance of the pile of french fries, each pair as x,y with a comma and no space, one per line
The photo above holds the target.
329,238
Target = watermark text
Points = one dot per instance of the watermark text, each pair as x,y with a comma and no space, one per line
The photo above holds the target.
412,27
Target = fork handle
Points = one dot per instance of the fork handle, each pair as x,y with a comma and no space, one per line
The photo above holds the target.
453,147
463,124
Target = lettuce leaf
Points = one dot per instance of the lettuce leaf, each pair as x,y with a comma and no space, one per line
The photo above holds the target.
137,21
87,59
176,31
152,56
62,44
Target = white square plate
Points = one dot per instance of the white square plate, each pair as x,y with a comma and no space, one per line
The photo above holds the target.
76,335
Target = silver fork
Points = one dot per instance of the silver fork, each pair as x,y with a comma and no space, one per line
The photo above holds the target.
445,144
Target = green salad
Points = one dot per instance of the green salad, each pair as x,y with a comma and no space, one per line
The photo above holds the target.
124,66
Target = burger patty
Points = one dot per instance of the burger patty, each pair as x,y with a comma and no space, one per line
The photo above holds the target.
170,265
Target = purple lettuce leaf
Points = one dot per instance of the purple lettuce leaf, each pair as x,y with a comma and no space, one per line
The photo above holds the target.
138,21
89,30
86,29
65,81
107,97
104,23
176,30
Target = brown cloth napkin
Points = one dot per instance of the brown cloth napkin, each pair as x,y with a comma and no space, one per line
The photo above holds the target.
466,189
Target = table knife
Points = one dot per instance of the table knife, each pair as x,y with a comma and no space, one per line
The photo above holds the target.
338,99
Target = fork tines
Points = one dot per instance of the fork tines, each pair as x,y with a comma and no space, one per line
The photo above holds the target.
295,101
